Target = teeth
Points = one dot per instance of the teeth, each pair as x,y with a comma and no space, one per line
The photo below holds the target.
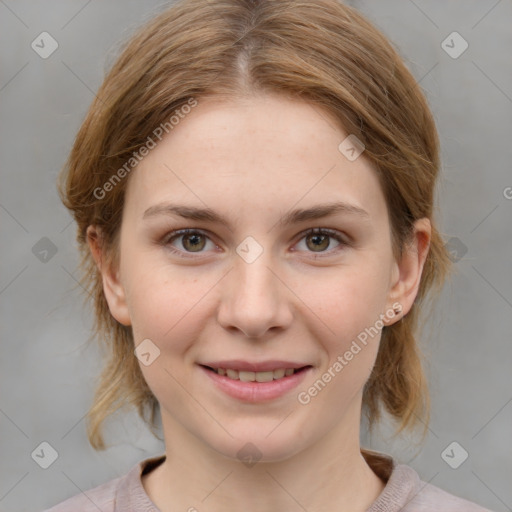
232,374
278,374
245,376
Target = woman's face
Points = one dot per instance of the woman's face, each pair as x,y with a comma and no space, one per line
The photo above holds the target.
255,291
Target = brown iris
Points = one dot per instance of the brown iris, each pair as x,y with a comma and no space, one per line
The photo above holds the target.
320,241
196,244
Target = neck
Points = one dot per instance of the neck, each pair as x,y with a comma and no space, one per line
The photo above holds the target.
330,474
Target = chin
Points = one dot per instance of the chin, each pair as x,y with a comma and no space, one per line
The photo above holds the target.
257,444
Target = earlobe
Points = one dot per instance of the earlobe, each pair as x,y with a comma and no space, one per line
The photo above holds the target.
409,270
112,286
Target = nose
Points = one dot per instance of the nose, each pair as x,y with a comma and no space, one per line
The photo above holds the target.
254,298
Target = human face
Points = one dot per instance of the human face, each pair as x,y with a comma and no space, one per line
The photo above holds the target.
255,289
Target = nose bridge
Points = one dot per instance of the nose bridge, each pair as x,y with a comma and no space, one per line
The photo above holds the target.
255,300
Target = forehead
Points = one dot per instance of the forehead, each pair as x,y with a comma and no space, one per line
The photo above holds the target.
254,153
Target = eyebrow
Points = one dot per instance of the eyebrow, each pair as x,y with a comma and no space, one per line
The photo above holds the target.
295,216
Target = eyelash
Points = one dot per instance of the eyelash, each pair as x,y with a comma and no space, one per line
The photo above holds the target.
173,235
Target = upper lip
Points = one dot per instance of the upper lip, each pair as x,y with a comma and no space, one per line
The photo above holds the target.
262,366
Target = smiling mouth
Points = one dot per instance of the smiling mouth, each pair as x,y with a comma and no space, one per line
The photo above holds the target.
247,376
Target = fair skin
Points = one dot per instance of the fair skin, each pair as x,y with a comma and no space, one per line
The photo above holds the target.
253,160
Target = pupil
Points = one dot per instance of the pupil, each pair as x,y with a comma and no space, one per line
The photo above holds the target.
196,240
320,238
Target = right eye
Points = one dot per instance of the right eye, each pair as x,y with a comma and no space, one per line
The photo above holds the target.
192,241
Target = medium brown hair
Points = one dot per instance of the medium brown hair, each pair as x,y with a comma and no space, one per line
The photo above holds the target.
317,50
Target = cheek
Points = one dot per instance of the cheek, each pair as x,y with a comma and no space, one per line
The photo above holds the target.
351,306
166,304
352,310
153,299
354,299
162,312
171,319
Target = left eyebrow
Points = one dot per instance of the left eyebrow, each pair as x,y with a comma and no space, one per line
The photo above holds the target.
323,210
295,216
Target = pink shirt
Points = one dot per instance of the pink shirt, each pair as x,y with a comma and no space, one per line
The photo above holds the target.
404,492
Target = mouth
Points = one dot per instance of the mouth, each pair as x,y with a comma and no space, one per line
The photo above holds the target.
248,376
256,386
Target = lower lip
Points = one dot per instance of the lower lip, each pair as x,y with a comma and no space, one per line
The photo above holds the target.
256,391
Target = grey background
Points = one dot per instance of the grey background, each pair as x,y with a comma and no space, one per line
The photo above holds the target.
47,370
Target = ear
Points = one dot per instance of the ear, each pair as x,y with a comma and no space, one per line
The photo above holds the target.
407,272
112,286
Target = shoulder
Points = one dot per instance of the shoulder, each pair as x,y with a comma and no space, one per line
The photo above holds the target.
406,492
101,498
425,497
430,498
125,493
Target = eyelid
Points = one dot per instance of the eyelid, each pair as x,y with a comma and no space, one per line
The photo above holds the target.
333,233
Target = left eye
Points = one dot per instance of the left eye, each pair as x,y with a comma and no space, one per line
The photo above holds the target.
194,241
319,238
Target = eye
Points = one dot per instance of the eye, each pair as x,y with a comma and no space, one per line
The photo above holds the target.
317,240
192,240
